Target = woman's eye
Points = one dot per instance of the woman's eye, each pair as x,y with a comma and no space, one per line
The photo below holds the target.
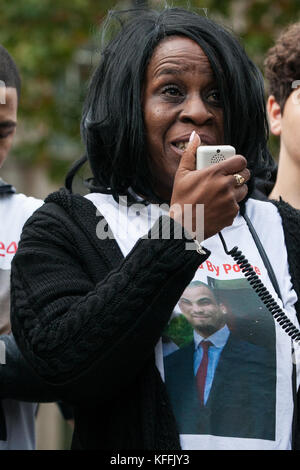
171,91
214,97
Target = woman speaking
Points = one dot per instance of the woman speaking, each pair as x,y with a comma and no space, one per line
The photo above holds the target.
97,278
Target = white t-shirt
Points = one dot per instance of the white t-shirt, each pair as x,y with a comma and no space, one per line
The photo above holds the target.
243,396
15,209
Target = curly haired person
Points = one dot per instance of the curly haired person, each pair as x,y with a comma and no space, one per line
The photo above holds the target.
96,280
282,70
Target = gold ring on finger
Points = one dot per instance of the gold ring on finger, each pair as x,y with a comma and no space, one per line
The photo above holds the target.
240,180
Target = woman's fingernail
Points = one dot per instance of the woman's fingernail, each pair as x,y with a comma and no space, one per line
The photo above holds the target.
192,136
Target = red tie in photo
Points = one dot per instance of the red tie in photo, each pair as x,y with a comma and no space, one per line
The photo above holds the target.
202,370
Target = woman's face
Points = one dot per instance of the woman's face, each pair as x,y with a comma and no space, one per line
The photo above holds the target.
180,95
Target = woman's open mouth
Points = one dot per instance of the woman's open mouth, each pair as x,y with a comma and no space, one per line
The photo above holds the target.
180,145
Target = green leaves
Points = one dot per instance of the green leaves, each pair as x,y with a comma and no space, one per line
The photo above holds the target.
43,36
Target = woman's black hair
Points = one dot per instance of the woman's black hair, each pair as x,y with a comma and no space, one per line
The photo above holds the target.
112,123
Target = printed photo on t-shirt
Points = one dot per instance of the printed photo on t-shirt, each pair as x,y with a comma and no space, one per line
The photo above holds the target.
220,361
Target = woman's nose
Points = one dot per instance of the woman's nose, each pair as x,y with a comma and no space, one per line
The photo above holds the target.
195,110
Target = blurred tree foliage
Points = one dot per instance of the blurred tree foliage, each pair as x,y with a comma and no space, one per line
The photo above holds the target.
43,37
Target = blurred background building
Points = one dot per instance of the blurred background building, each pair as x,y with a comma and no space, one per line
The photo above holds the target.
55,44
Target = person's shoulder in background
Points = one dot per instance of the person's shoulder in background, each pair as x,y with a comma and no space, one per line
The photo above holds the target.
17,208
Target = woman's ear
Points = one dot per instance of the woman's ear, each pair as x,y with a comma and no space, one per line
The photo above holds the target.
274,113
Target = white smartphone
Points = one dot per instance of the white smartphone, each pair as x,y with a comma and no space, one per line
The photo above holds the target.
209,154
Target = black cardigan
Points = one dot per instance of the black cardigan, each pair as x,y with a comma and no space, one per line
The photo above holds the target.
87,320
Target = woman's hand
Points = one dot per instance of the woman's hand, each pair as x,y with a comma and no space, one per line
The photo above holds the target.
215,187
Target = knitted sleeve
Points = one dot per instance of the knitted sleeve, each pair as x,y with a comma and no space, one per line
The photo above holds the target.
93,339
17,380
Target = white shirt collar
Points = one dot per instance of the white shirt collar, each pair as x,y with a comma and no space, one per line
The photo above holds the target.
219,338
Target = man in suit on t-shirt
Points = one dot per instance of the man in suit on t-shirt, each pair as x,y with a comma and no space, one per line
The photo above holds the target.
219,384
